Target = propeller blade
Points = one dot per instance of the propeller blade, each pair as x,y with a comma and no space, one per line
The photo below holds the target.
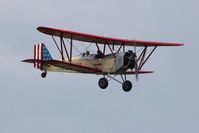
136,63
136,70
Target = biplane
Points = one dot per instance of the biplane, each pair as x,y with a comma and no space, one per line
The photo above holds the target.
113,57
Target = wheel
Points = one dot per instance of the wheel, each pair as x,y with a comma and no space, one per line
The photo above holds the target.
127,86
103,83
43,75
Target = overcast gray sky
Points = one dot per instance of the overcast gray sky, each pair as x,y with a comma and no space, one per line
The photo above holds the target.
163,102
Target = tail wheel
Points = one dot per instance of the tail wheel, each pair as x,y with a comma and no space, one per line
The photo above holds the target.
103,83
43,75
127,86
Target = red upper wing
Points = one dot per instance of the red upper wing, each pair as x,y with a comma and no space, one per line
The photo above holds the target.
100,39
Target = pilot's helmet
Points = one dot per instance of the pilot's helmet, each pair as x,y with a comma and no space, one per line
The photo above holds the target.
87,53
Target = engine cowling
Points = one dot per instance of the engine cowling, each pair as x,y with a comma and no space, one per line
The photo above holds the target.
129,60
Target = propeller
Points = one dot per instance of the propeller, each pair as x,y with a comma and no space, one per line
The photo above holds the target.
136,63
136,69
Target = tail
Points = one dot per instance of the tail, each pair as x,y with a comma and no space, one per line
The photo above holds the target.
41,53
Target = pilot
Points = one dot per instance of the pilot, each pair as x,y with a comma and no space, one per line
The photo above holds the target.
99,54
87,53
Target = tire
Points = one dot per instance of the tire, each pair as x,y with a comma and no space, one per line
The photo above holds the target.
103,83
127,86
43,75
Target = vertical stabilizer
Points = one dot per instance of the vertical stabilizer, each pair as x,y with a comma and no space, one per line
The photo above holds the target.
41,53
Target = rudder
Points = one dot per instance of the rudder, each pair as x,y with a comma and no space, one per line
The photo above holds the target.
41,53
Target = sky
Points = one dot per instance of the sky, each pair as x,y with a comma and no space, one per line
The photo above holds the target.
165,101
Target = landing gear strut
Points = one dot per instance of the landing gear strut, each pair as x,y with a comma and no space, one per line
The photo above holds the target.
103,83
43,75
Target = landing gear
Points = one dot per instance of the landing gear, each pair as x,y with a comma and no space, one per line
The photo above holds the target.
103,83
43,75
127,86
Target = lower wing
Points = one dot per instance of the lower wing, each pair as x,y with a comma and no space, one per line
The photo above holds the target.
64,65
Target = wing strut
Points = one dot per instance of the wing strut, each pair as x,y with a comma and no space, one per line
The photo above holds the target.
62,48
65,49
143,58
104,51
56,44
121,48
71,46
61,45
111,50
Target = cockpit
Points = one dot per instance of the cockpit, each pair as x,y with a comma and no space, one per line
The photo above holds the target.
87,54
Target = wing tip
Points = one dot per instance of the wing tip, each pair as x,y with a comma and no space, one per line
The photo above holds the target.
28,60
40,28
179,44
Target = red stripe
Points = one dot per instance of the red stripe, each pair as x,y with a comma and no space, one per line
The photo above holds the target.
40,51
38,55
42,45
34,55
